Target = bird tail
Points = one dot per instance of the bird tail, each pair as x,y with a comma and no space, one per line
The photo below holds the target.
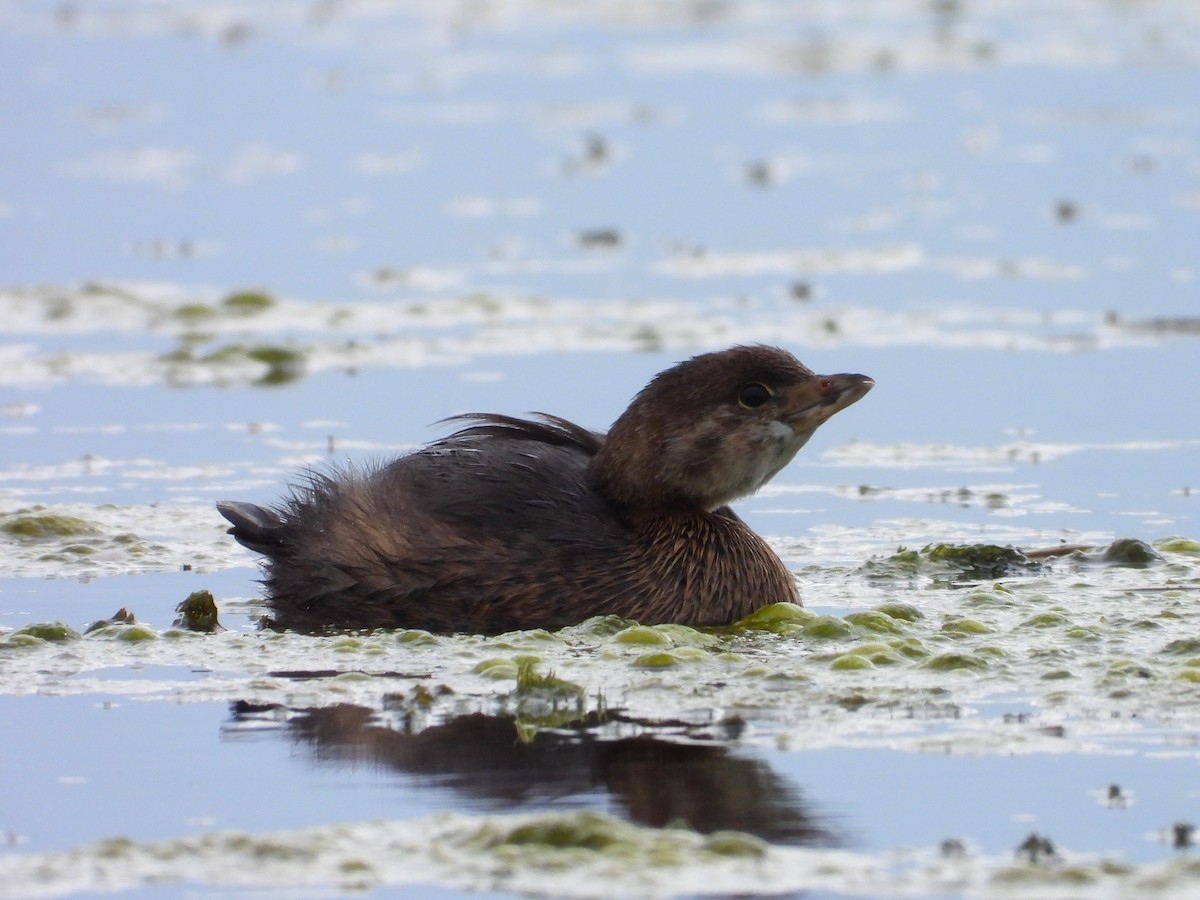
254,527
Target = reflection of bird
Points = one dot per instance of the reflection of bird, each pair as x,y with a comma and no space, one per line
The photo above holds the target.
650,780
512,523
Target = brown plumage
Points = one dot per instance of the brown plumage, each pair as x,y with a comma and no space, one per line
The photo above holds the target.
514,523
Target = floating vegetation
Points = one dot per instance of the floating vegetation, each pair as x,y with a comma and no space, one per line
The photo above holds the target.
531,683
966,561
1131,552
248,303
41,539
989,562
780,618
42,633
577,854
473,323
194,312
121,617
198,613
977,561
38,524
283,364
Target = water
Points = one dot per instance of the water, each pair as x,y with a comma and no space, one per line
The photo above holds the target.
439,208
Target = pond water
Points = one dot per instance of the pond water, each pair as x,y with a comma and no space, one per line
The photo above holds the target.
242,239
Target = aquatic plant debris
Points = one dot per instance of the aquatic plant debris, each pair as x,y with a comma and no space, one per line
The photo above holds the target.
1113,671
1099,650
188,336
198,613
574,854
83,540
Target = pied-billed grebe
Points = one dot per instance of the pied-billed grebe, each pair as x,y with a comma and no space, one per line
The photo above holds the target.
512,523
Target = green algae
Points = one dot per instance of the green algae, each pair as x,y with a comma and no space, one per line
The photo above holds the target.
963,561
858,666
686,636
37,525
775,617
135,633
642,634
851,662
415,637
267,849
1124,669
284,365
961,626
541,635
827,628
905,612
248,303
556,841
198,613
660,660
601,626
60,542
665,635
193,312
498,669
1182,647
1046,620
901,564
879,654
978,561
955,662
665,659
910,648
1181,545
584,831
54,632
1132,553
121,626
539,699
43,632
734,845
874,621
121,617
996,597
423,697
548,685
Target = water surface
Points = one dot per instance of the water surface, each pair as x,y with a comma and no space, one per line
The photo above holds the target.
244,239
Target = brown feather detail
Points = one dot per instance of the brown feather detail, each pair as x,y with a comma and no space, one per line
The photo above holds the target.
703,569
547,428
698,569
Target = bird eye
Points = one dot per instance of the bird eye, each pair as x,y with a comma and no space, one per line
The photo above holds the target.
754,395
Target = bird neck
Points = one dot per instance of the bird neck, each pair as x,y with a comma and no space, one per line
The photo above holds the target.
713,559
